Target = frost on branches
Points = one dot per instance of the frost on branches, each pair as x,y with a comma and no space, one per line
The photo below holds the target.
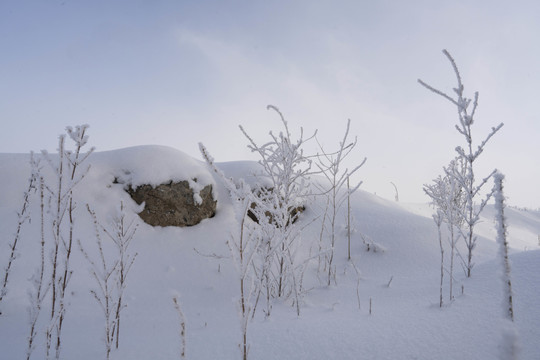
59,197
110,273
243,243
509,345
500,221
287,169
448,197
469,153
22,217
266,251
337,190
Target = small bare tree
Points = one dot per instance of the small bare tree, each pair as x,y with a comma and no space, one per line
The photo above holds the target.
121,232
111,275
243,244
67,175
40,288
438,219
103,273
331,167
22,218
287,168
448,196
469,154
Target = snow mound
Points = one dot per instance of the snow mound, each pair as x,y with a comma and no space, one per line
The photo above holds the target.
152,165
250,171
377,296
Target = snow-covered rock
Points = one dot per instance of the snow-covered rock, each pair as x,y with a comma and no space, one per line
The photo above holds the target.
175,203
175,189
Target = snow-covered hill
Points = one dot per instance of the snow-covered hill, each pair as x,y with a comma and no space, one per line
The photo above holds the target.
398,284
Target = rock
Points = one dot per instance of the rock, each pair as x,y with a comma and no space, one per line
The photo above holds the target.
174,204
262,192
294,212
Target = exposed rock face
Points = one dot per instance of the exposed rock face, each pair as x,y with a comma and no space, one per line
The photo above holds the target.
174,204
294,212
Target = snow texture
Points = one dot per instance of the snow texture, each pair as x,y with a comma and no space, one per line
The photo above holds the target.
153,165
194,266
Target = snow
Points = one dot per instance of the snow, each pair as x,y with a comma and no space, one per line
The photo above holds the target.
153,165
194,265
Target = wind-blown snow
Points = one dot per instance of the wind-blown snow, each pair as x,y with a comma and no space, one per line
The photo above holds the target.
193,263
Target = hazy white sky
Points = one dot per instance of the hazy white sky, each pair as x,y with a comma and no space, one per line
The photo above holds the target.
181,72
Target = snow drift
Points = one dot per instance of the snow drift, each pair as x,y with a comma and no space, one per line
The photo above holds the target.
384,304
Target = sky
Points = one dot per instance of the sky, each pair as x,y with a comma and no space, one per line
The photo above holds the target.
177,73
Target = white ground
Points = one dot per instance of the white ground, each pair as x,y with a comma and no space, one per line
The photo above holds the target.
406,321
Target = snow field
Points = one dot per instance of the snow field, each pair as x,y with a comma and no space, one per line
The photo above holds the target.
406,321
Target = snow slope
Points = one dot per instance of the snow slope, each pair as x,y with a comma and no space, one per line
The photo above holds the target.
399,285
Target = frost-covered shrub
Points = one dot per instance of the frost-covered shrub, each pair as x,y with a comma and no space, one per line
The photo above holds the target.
468,153
287,169
448,197
337,191
244,242
110,270
509,345
67,174
22,217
